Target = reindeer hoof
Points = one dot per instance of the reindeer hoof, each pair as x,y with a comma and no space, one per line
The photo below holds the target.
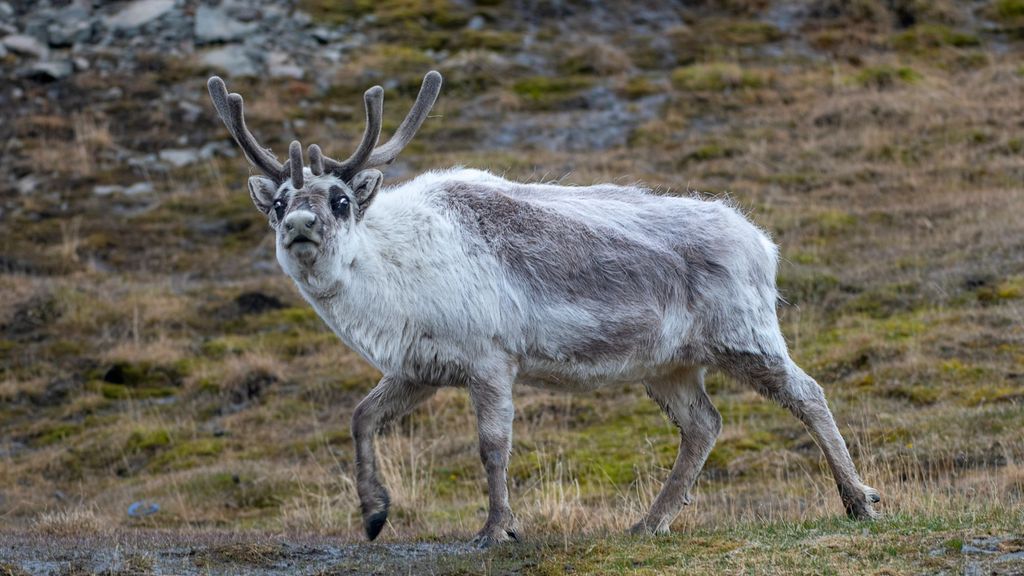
373,522
859,506
642,528
497,533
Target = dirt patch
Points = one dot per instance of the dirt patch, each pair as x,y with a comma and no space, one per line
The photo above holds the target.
214,553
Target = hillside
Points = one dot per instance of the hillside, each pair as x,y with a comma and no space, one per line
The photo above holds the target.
152,351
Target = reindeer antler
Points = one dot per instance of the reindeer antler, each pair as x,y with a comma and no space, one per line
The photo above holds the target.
374,101
231,109
369,156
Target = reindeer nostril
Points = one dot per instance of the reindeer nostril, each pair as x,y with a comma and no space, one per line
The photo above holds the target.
311,221
288,225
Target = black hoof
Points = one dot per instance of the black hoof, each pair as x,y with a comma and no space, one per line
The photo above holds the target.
375,523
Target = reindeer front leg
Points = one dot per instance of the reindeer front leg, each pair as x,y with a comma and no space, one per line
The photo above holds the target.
492,400
390,399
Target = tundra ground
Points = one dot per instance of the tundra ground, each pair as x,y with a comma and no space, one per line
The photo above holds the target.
150,351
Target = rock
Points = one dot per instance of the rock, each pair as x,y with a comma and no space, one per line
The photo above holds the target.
47,71
234,60
179,157
139,188
213,25
280,65
476,23
6,11
71,25
133,190
106,189
25,45
322,35
27,184
190,111
139,13
3,51
210,149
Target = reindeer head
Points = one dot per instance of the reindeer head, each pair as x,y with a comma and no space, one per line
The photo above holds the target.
314,210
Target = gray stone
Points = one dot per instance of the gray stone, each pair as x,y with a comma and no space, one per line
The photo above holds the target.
139,13
106,189
6,11
234,60
476,23
139,188
47,71
280,65
25,45
71,25
211,149
322,35
27,184
213,25
190,111
179,157
3,51
65,36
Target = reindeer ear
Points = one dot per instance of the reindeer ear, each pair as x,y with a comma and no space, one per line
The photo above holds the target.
262,191
365,186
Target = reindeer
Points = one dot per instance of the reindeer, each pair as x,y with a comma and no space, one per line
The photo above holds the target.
461,278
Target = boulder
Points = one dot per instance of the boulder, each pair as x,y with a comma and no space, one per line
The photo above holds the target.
47,71
214,25
139,13
234,60
25,45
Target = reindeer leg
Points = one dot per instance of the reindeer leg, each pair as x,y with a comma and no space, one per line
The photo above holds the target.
390,399
492,400
684,400
777,377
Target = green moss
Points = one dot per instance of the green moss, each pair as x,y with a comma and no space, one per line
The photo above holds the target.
799,284
711,151
1010,14
386,12
885,301
744,32
915,393
238,490
993,393
546,92
65,348
188,454
1011,288
495,40
147,440
884,76
639,87
120,392
716,77
56,433
143,375
925,38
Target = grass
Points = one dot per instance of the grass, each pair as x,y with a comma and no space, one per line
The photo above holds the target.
134,364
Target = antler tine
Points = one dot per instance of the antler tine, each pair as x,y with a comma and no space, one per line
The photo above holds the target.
295,163
316,160
429,91
374,101
231,109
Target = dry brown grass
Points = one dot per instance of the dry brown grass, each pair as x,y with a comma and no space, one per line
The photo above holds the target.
894,184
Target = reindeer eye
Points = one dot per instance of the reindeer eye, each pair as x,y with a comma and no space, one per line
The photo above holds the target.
279,206
339,202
